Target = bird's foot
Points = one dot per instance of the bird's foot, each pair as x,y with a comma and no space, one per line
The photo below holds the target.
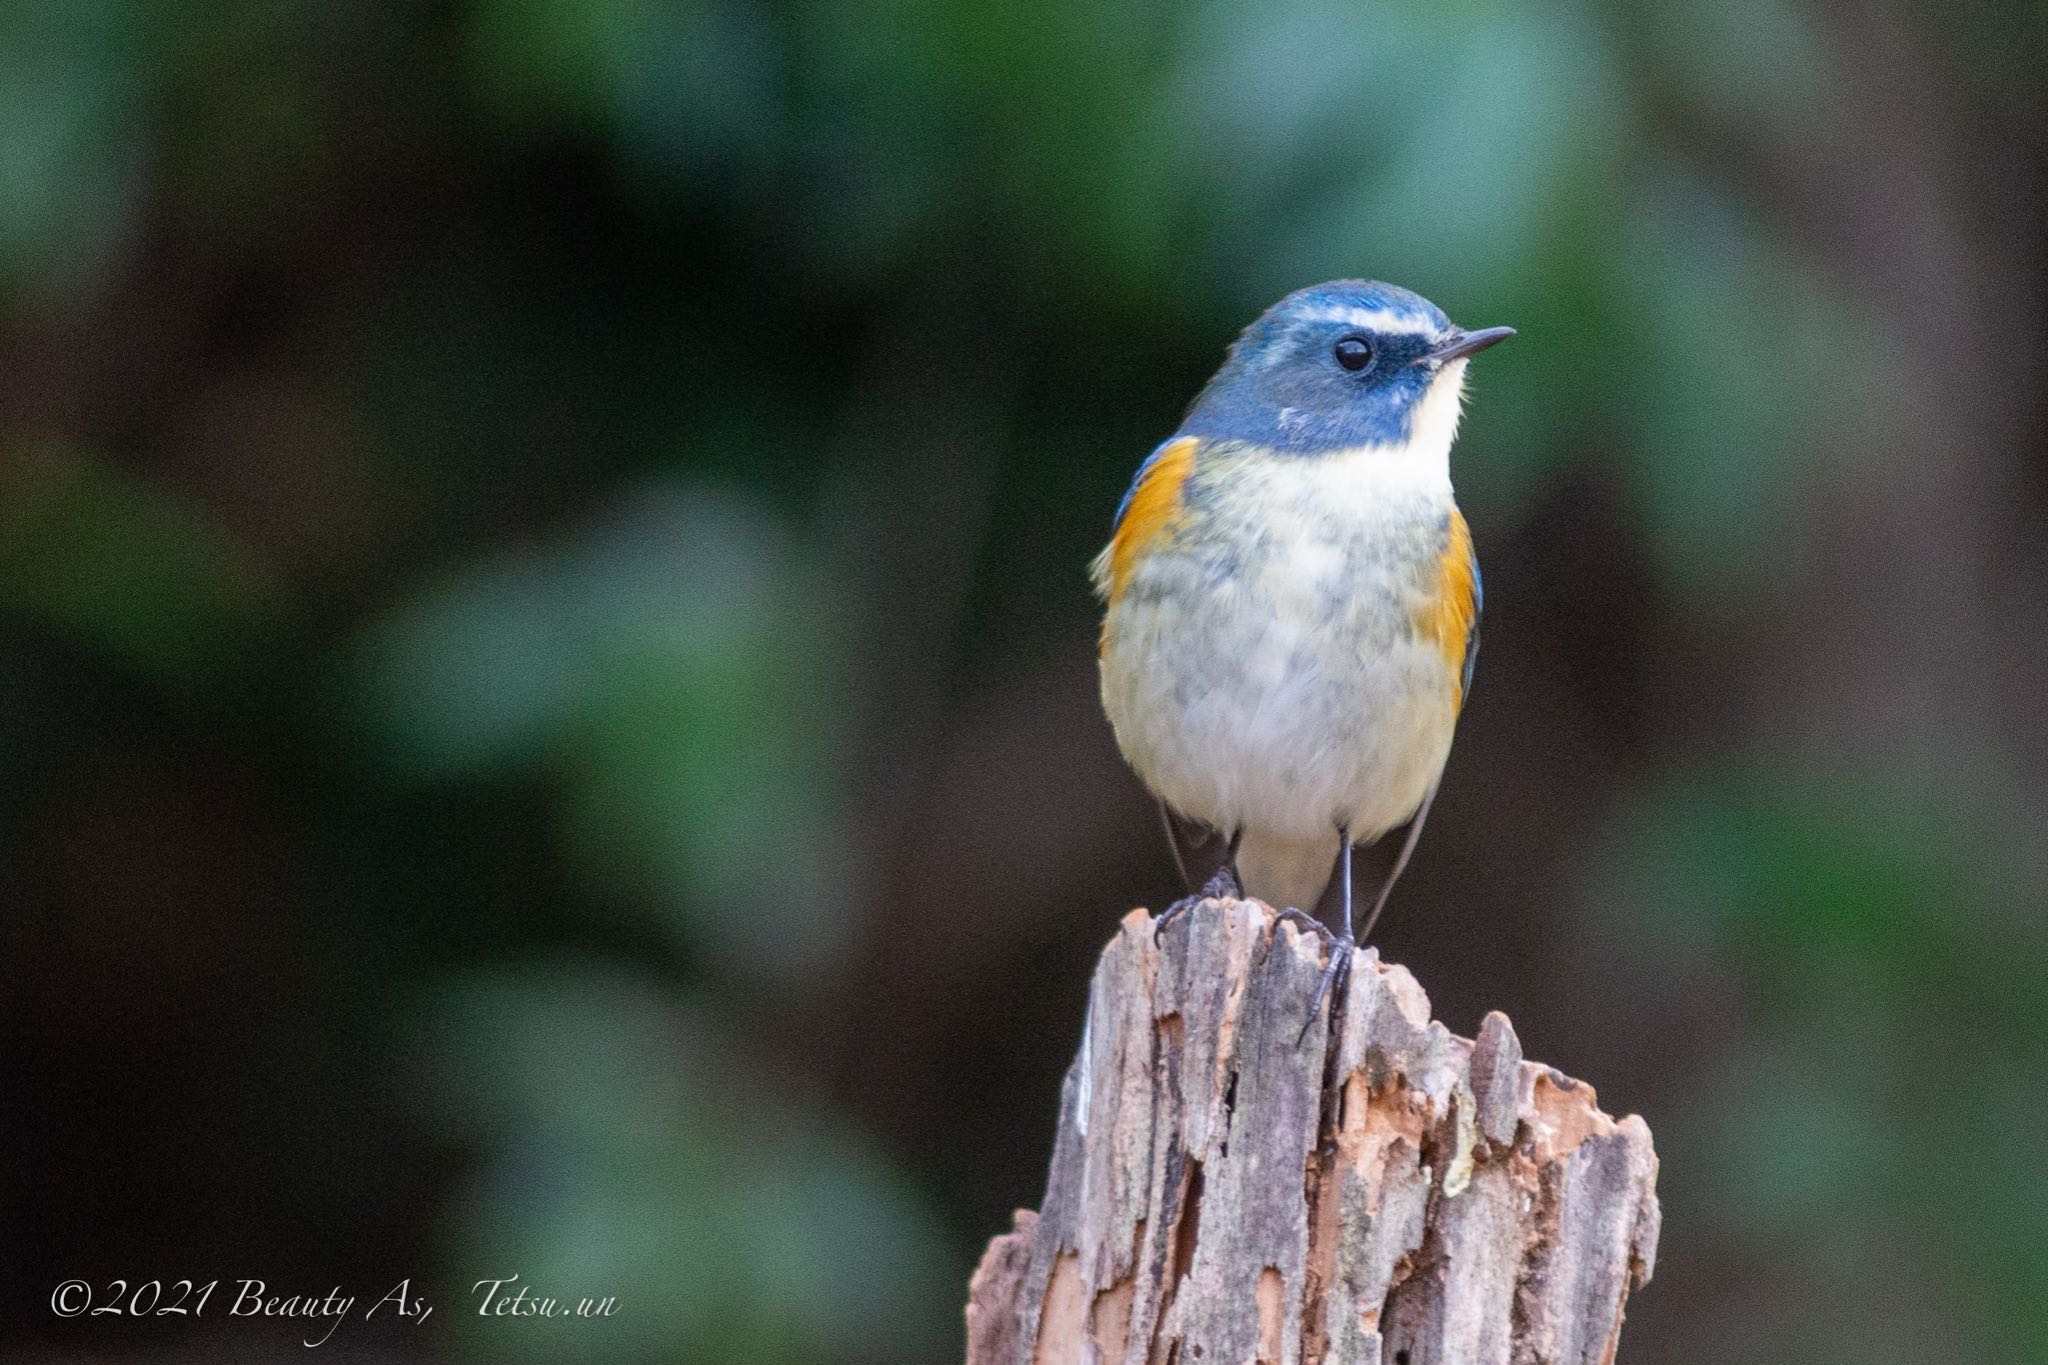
1310,923
1336,976
1221,886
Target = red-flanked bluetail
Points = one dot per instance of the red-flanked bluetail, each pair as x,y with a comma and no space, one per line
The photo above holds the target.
1293,598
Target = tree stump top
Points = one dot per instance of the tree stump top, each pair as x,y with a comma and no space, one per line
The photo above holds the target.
1387,1192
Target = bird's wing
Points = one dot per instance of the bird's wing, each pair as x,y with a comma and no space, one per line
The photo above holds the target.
1472,629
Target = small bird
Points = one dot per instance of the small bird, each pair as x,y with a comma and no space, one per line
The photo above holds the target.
1292,599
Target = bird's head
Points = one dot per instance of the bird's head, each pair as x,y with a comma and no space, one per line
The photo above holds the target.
1342,365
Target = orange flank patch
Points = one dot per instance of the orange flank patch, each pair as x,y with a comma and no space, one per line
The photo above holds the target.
1447,616
1153,503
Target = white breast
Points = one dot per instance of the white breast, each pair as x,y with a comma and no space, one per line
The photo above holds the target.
1263,670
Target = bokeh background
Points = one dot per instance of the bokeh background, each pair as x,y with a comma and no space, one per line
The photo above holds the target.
546,668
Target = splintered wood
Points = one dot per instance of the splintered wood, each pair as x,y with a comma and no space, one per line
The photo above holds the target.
1392,1195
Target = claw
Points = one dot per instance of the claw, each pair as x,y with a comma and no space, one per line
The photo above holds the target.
1336,972
1222,886
1311,924
1172,913
1336,976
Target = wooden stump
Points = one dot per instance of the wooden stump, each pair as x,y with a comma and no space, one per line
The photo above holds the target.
1391,1193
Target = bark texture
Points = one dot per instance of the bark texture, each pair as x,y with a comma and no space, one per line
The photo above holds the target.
1384,1192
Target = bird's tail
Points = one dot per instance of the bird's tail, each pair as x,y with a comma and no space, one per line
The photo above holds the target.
1286,872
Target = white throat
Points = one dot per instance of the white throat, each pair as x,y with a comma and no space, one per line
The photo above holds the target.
1422,463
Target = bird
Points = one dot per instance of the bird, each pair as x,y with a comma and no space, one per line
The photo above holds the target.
1292,598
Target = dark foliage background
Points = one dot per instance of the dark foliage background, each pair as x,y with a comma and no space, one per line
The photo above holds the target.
546,673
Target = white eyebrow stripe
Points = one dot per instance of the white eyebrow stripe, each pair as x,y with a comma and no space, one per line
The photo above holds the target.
1371,319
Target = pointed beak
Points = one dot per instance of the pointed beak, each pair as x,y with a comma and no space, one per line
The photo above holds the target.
1461,343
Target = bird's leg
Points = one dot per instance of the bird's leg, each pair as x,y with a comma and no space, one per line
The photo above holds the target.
1222,885
1337,972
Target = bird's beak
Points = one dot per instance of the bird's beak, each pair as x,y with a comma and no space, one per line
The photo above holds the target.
1460,343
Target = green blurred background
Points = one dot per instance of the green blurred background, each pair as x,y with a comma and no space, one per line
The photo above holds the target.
548,675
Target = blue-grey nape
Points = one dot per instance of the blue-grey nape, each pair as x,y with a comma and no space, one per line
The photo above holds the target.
1282,385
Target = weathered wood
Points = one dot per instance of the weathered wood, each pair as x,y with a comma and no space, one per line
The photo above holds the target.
1393,1193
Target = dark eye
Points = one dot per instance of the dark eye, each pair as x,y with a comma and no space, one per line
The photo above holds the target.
1353,353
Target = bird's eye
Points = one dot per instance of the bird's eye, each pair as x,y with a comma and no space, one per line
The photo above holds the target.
1353,353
